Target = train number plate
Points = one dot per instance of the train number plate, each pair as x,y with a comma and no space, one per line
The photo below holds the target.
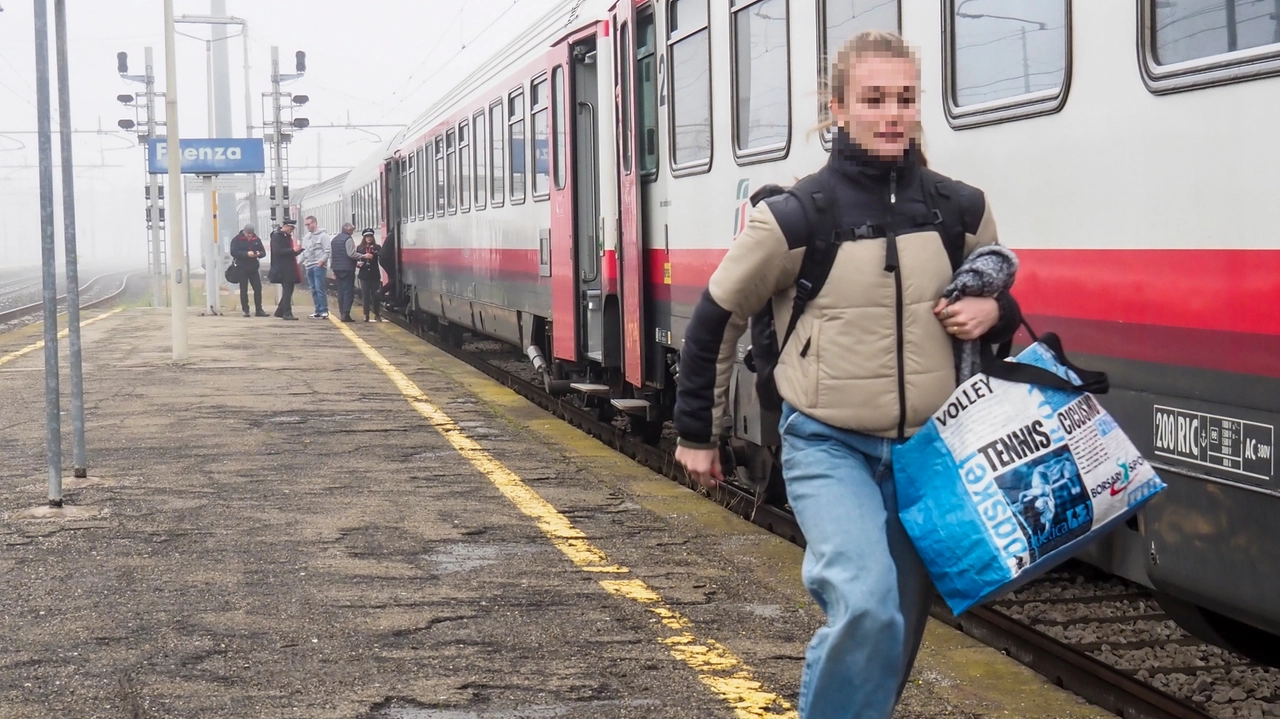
1235,445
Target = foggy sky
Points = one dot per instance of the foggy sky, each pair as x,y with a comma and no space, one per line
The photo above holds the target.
376,62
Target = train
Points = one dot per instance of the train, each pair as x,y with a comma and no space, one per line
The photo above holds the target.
573,193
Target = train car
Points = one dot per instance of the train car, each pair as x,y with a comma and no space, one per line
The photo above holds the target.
326,201
573,195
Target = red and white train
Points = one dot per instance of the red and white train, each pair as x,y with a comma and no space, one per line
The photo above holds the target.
574,193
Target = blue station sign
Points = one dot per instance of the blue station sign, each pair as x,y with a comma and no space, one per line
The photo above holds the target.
209,157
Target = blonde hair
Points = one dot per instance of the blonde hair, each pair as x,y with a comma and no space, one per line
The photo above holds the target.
835,85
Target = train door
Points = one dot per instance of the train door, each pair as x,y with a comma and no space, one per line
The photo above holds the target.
631,271
579,291
389,212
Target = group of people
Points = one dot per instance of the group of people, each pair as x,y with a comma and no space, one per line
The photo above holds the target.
294,262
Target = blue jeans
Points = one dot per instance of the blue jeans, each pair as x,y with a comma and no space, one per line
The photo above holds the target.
859,565
316,279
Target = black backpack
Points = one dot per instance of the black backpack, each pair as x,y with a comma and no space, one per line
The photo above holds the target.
814,195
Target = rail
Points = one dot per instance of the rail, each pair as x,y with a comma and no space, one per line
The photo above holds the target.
1073,670
19,313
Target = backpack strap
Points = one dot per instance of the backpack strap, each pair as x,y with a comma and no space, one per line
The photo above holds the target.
814,194
944,201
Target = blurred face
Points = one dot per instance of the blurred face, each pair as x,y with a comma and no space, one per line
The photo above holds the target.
311,225
880,111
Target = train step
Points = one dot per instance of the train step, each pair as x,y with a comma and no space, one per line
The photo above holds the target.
632,406
586,388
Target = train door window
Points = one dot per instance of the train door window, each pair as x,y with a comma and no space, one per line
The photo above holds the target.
424,179
841,20
464,166
539,106
413,187
404,189
761,79
647,90
558,156
516,146
450,171
1198,43
1008,60
626,111
689,50
497,155
480,142
439,176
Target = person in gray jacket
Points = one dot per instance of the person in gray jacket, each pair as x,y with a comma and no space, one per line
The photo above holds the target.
315,263
343,260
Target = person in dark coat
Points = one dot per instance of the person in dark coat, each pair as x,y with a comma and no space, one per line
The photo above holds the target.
343,259
247,248
284,267
370,274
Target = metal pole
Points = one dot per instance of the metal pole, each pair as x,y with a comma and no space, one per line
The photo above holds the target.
1026,63
48,257
79,452
278,203
224,126
248,120
177,253
210,243
157,238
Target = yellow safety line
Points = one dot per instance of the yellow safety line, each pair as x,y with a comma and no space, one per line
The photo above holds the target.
719,669
39,345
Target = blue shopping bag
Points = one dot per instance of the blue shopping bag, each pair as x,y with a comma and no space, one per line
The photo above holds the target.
1019,470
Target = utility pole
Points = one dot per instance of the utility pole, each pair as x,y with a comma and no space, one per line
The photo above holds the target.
1026,62
177,253
48,256
248,119
154,189
210,245
79,450
280,139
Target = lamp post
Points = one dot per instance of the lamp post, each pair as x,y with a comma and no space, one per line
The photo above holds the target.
177,253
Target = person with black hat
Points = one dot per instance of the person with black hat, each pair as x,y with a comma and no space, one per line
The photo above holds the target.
247,249
284,267
370,274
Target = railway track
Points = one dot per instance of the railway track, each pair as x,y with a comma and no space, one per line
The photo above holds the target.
98,285
1101,637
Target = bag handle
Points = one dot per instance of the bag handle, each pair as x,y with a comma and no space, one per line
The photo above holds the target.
1090,381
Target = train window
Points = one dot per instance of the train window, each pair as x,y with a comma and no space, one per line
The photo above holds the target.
478,169
689,49
1199,43
539,108
425,209
1008,60
647,90
404,190
559,156
439,176
626,111
450,171
761,86
841,20
497,155
515,145
413,186
464,166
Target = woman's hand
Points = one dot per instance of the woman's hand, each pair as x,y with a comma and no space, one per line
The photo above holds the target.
702,465
969,317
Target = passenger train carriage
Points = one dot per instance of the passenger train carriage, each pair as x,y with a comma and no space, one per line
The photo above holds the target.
574,193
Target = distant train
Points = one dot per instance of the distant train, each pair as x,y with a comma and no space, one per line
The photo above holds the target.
573,195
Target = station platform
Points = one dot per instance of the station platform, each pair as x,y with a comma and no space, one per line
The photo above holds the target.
317,520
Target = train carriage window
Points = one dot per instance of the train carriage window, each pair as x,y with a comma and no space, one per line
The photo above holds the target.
689,52
626,110
516,145
1009,59
1190,44
647,90
404,190
424,179
761,85
560,129
450,169
497,155
539,106
481,165
413,186
439,176
841,20
464,166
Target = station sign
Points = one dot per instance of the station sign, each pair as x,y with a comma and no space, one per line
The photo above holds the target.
209,157
221,183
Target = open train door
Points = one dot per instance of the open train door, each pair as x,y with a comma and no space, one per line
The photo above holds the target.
564,273
631,271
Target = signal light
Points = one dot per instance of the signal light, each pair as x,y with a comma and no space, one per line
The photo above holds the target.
302,61
122,63
301,99
124,99
127,124
301,123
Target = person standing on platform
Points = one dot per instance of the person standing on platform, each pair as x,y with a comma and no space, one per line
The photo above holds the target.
315,262
247,250
370,275
343,259
284,267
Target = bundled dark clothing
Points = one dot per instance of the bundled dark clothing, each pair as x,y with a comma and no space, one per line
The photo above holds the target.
343,259
241,246
284,270
370,274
